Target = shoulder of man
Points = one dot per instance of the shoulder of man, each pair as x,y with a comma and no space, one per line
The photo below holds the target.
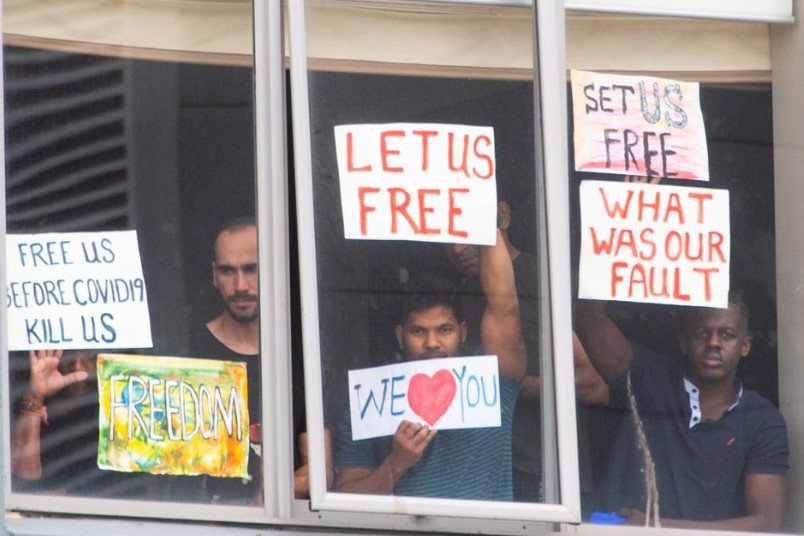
761,409
768,444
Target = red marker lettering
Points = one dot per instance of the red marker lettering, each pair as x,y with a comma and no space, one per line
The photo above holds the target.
425,136
483,156
350,150
400,208
385,152
424,210
364,210
455,211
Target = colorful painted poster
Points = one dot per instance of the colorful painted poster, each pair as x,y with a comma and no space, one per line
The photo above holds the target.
654,244
638,125
172,415
76,291
418,181
452,392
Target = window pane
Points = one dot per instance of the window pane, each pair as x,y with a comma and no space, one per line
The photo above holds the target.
704,377
399,268
101,144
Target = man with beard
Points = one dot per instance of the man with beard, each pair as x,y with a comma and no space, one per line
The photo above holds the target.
717,452
234,335
456,464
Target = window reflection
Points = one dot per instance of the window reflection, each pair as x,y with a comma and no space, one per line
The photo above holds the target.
365,288
165,149
693,473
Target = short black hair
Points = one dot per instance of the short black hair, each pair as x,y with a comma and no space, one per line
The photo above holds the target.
232,226
425,291
735,298
237,224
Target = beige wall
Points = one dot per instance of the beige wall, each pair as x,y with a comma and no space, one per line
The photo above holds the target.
787,45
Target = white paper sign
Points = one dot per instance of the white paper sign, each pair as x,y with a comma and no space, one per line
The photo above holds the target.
638,125
654,244
452,392
76,291
418,181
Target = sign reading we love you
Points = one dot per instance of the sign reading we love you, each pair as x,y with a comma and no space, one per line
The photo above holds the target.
453,392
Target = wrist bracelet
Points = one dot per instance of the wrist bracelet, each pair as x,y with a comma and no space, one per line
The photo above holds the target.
33,406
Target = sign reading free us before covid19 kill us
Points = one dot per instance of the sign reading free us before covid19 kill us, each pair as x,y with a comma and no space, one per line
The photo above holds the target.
76,291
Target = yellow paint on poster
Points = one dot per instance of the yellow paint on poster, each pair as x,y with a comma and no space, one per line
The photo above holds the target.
171,415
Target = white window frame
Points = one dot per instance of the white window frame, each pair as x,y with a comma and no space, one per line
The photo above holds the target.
271,180
550,26
272,212
746,10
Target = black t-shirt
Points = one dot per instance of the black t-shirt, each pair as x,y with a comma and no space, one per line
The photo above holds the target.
206,346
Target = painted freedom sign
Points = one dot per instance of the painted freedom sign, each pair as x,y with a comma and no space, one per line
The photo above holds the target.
418,181
654,244
638,125
445,393
171,415
76,291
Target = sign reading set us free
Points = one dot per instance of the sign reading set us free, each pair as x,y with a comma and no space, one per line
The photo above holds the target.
172,415
654,244
445,393
638,125
418,181
76,291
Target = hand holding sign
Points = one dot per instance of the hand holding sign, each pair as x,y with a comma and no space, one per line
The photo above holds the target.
410,440
447,393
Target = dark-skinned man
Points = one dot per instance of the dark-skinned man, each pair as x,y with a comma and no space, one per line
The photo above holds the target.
720,451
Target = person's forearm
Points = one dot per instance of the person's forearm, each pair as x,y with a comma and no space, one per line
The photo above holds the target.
26,461
380,481
606,346
755,522
590,389
530,387
497,278
500,329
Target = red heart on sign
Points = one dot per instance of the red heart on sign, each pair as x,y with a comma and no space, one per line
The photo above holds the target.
429,398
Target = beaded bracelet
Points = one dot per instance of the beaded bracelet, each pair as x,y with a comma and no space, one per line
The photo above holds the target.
33,406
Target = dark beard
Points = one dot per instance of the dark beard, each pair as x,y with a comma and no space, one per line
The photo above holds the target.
241,318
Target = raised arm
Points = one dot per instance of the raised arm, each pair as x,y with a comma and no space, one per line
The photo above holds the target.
590,389
45,381
608,349
500,330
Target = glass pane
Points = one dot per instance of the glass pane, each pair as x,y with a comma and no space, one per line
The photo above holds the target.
700,439
422,149
100,144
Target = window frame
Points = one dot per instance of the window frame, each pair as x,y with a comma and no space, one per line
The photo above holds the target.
550,25
272,196
270,181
